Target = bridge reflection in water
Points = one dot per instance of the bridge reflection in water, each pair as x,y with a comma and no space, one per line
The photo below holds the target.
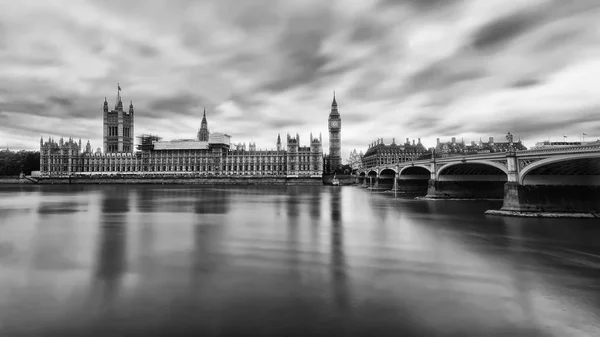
549,180
318,261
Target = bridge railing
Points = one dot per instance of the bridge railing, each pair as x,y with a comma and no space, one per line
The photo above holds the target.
566,149
495,155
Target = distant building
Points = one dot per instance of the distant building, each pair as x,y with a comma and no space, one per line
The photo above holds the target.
550,145
454,148
208,154
379,153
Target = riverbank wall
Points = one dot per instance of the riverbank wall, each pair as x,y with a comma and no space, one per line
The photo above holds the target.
311,181
344,179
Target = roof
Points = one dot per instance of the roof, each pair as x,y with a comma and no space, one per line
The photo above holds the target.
181,144
219,138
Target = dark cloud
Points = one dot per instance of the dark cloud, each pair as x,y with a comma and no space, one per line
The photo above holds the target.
369,86
62,101
280,123
367,29
503,29
443,75
146,50
298,49
556,40
525,82
423,122
23,106
256,16
422,5
499,124
356,118
2,36
183,103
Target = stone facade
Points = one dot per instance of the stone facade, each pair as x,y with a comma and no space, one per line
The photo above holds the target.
118,128
379,153
210,154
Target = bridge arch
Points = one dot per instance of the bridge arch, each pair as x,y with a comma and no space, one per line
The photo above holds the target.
388,172
416,169
586,166
484,166
372,173
362,174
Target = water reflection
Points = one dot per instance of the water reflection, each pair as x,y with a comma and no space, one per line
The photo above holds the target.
339,268
111,250
289,260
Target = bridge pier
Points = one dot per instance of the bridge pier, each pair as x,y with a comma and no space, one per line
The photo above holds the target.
465,189
538,193
551,198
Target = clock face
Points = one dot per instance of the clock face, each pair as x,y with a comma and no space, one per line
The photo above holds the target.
334,124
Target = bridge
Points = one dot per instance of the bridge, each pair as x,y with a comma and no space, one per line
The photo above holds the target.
565,179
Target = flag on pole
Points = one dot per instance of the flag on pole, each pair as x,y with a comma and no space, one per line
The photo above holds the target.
564,136
118,86
585,134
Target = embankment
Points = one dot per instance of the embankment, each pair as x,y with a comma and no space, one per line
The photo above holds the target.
185,180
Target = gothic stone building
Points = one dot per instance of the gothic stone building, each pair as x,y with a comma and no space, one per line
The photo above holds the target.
209,154
379,153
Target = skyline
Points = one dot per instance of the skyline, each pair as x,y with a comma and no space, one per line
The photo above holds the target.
401,69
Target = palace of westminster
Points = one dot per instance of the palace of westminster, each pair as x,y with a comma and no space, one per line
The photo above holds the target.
213,154
208,154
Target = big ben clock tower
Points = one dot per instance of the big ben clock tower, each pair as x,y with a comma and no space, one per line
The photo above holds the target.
335,128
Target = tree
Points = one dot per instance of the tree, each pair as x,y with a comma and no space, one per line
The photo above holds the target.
13,163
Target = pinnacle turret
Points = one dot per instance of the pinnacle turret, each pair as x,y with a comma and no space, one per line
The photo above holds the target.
203,132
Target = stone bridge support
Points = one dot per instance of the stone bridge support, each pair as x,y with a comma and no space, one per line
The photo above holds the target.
553,186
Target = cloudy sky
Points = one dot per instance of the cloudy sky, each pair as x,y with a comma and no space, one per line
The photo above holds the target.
400,68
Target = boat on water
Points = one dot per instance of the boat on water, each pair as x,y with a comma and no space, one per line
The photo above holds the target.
335,181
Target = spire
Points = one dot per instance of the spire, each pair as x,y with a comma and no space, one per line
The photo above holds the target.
334,110
203,132
105,107
131,107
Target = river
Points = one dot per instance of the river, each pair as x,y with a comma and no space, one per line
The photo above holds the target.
172,260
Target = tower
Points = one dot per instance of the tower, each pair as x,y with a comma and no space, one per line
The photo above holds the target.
335,128
278,142
203,132
118,126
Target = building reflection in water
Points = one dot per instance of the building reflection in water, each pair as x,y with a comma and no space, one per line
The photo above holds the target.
111,250
211,201
293,214
147,236
315,217
339,268
206,255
